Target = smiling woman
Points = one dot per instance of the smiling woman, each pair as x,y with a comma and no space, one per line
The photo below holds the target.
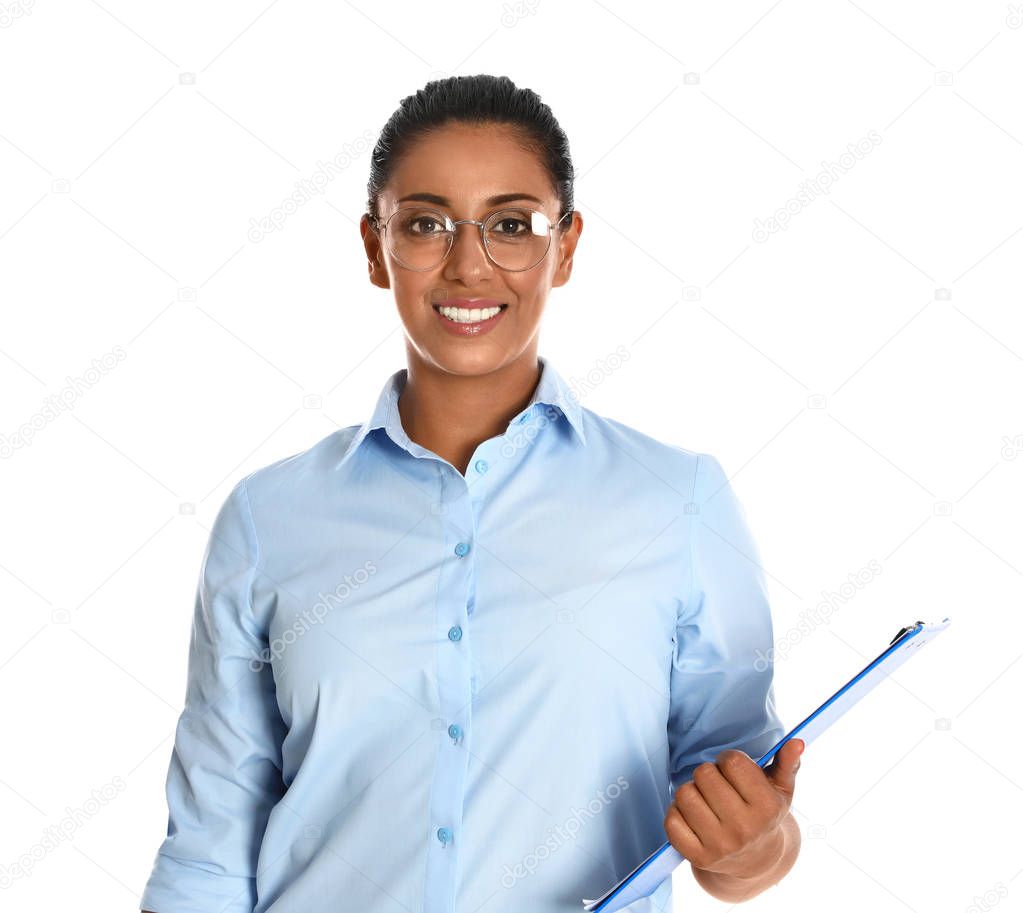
540,621
470,224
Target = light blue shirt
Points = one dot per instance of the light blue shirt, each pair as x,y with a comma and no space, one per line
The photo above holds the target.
415,690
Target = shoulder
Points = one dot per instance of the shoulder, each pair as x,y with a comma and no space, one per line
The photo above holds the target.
285,481
691,471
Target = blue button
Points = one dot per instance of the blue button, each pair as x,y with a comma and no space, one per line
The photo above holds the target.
455,633
482,466
455,731
462,549
444,834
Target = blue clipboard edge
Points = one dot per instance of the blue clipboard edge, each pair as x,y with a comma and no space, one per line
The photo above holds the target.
899,640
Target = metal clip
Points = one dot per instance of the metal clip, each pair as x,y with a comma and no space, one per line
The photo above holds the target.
903,631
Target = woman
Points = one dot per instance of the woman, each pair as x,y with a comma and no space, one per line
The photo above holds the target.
458,657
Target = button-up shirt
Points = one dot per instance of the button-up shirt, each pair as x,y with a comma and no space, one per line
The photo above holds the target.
413,689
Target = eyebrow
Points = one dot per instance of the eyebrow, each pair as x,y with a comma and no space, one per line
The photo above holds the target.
493,201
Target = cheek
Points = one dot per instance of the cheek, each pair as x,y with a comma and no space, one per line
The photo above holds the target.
531,305
530,290
415,292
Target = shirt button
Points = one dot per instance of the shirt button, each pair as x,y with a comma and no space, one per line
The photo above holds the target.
455,731
462,549
444,835
455,632
482,466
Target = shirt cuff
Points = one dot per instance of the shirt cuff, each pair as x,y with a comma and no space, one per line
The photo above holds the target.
180,887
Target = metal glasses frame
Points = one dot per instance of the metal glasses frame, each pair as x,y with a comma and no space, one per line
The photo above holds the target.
450,225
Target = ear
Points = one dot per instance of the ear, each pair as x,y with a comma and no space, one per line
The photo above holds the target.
374,254
566,251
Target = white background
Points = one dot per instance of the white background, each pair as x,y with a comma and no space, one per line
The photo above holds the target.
859,373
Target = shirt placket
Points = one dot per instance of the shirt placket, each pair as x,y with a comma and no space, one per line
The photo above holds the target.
459,506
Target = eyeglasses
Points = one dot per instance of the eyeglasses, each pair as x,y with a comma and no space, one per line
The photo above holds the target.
514,239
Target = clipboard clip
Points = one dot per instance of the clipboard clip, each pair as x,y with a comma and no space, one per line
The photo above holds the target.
903,631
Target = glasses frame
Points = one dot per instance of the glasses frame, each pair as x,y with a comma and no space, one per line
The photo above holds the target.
451,226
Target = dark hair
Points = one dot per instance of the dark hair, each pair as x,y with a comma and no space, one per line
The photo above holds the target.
478,100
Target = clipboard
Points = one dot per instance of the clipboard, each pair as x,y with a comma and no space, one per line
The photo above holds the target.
643,880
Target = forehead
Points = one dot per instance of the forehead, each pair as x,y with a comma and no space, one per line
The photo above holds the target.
468,165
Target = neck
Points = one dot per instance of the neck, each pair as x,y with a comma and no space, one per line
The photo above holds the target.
452,414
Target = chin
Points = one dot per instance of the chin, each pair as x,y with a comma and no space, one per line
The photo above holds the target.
474,359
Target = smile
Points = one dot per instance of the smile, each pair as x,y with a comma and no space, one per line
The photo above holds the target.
469,315
469,322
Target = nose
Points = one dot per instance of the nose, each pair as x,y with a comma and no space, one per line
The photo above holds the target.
467,260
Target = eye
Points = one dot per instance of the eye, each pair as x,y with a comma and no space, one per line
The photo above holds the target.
505,226
421,220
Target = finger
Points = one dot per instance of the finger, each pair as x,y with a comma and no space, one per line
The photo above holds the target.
720,794
744,774
680,835
786,762
697,813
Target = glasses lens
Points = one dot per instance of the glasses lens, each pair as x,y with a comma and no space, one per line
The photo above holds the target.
417,237
517,238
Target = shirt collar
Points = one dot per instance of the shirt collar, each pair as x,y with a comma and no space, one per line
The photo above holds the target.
551,390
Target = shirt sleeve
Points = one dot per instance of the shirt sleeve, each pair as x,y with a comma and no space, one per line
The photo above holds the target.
722,677
722,686
225,770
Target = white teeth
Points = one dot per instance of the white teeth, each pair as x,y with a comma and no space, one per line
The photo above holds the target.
465,315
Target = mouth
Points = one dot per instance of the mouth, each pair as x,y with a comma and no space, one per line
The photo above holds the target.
469,318
469,311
